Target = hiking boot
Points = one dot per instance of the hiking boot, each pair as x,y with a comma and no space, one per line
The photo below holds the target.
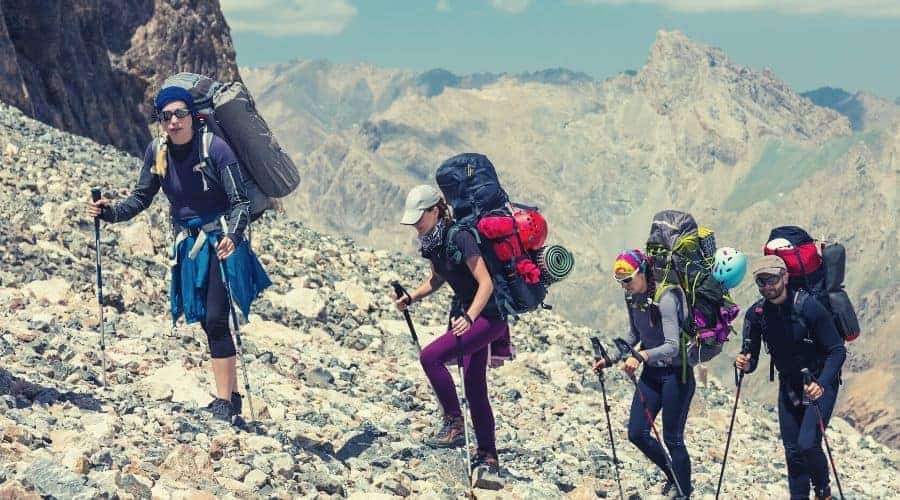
486,469
221,409
669,490
450,435
237,403
822,494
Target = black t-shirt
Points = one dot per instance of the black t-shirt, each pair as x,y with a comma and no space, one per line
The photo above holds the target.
458,275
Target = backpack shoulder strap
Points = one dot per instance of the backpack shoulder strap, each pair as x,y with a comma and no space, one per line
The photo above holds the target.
761,322
681,305
453,252
205,143
800,298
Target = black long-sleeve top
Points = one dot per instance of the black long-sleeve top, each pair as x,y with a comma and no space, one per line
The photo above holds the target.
796,339
192,191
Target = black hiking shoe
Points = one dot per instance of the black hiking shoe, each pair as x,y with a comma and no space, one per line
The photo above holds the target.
486,471
669,490
823,494
450,435
221,409
237,403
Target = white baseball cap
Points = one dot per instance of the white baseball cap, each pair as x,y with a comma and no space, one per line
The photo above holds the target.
419,199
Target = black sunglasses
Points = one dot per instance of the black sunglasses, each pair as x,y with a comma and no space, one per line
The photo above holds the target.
165,116
767,280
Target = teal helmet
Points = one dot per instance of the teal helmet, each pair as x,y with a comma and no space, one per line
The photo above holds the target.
729,267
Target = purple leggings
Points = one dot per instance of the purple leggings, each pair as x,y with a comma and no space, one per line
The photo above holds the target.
475,360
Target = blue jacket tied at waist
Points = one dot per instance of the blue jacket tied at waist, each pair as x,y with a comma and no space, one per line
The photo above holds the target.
187,295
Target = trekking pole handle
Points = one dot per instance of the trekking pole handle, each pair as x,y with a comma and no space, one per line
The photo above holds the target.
96,195
400,291
745,345
808,376
745,349
627,349
600,352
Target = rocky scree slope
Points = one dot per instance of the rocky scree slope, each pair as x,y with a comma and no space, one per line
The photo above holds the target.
342,400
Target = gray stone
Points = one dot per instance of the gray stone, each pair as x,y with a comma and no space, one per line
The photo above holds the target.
53,479
319,377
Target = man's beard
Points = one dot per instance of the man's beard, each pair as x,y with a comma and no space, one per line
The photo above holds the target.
772,292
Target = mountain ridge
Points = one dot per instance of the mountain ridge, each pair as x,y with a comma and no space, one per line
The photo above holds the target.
692,130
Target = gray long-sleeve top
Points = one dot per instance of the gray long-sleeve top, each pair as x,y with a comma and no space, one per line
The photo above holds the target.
659,331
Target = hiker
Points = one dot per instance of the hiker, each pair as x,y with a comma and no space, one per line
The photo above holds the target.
656,325
209,209
798,334
473,317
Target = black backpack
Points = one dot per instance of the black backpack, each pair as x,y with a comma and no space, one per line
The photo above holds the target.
825,281
470,186
472,189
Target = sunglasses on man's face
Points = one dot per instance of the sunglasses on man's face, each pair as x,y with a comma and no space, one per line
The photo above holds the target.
179,113
767,280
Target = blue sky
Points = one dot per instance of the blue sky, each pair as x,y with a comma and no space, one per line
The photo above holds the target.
851,44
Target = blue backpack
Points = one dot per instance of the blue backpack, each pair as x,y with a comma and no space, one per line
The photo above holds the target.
471,188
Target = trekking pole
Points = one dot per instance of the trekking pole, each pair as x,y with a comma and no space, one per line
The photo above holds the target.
738,380
600,353
465,407
807,378
237,337
400,291
95,195
627,350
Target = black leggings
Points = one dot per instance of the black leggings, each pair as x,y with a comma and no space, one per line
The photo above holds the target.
802,439
216,323
664,390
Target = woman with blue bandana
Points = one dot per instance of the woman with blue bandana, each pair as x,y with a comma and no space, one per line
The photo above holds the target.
210,211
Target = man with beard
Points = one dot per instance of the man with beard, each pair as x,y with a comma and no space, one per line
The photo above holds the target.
799,333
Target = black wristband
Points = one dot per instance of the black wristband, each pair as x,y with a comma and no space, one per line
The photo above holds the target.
467,318
640,359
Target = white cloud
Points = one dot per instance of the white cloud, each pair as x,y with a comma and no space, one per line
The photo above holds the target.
513,6
288,17
442,6
853,8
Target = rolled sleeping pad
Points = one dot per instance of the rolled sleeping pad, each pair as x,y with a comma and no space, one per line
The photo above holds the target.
844,316
555,262
834,257
253,141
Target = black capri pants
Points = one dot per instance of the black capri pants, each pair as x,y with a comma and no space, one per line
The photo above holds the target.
215,325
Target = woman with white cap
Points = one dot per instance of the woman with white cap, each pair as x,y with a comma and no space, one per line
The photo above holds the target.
474,318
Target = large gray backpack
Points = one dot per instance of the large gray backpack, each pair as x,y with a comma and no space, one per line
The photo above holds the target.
227,110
